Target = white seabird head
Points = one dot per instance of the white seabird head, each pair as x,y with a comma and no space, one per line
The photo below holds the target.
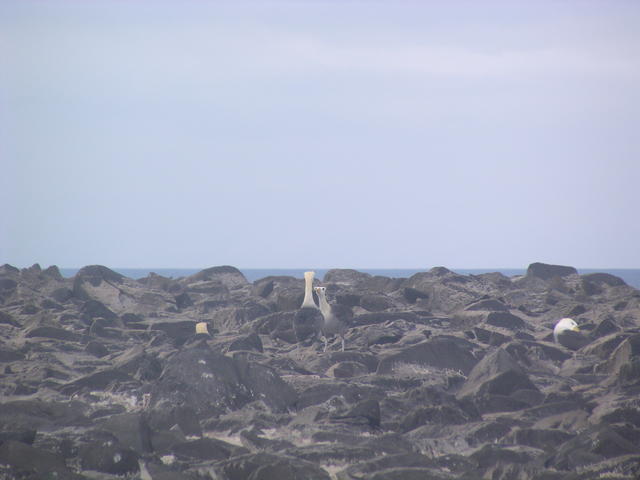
322,293
201,327
320,290
325,308
564,325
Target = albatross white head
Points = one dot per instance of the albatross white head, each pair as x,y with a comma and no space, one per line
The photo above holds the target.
308,291
325,308
564,325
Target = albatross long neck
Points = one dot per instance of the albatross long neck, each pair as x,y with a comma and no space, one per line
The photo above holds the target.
308,291
325,308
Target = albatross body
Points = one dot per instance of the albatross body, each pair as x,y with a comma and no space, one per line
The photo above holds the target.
308,319
337,318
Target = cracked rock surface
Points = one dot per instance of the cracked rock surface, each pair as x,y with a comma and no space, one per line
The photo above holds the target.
444,376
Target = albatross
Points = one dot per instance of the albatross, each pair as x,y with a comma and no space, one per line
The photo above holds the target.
308,319
337,318
567,334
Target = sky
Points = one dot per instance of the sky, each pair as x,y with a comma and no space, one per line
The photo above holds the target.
295,134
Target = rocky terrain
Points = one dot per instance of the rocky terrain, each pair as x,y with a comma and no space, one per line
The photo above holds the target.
444,376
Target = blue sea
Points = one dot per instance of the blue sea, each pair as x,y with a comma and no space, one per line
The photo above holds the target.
629,275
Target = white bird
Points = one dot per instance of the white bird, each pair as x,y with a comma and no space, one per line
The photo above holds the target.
308,302
308,319
337,318
564,325
567,334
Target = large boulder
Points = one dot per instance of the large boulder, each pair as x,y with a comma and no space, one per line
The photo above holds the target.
117,292
590,446
345,276
282,292
439,352
38,463
267,466
103,452
599,282
227,275
546,271
624,363
442,290
212,384
495,382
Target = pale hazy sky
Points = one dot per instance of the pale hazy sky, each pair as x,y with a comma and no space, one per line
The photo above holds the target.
320,133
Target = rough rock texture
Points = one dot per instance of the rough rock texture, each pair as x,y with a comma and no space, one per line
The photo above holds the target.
445,376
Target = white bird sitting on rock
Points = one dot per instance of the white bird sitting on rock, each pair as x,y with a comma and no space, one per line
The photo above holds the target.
337,318
562,326
567,333
308,319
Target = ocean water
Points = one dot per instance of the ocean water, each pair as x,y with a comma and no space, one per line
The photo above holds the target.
629,275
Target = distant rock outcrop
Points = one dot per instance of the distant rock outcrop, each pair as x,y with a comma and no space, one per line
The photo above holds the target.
546,272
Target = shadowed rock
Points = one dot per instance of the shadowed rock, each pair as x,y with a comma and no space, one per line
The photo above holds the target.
496,375
104,453
229,276
38,462
53,332
211,383
267,466
439,352
546,272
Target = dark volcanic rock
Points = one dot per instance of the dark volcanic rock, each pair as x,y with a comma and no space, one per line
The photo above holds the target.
247,342
229,276
347,369
8,319
96,349
93,275
623,358
95,309
591,446
267,466
412,295
187,419
546,272
24,436
283,293
105,454
446,376
345,276
8,356
366,413
207,449
439,352
62,294
211,383
101,380
307,323
53,332
544,439
505,320
30,414
40,463
497,376
489,305
596,283
179,331
375,303
131,430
